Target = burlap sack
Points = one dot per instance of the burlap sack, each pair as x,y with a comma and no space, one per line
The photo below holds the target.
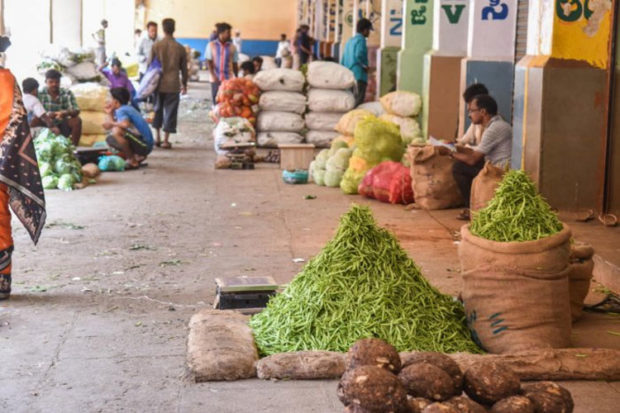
302,365
433,184
516,294
582,265
484,185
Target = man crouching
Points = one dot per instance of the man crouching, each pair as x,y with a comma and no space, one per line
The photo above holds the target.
129,132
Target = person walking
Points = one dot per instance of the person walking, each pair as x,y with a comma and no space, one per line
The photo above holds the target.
303,45
20,180
145,45
222,58
173,58
99,37
355,58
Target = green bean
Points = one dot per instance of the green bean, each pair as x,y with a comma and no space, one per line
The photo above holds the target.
362,284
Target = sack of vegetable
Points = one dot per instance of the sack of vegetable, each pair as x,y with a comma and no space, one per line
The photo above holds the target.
409,127
375,141
388,182
433,183
347,123
484,185
515,266
91,96
402,103
582,265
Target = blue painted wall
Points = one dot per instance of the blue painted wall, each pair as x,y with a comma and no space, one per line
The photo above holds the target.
250,47
517,122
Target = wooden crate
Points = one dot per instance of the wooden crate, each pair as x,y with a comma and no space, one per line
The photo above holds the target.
296,156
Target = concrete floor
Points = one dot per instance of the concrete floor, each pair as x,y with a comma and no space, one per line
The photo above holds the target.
98,320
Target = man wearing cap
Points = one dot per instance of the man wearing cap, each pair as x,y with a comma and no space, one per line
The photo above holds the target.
355,57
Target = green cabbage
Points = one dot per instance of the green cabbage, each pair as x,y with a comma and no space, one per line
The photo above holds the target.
333,177
62,167
340,160
45,151
50,182
46,169
66,182
321,159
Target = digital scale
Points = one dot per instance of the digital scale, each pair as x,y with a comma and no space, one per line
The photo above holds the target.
248,294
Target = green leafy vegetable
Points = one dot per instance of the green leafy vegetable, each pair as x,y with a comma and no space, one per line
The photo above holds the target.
50,182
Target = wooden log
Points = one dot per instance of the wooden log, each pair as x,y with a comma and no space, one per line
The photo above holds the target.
221,346
551,364
302,365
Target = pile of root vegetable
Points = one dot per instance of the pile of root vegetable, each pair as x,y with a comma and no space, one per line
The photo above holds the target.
378,381
361,285
517,212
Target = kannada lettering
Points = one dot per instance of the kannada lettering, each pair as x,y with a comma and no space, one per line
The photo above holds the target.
418,16
572,10
493,12
396,23
453,15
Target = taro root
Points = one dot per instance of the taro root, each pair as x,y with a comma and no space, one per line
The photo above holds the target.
440,408
373,389
489,382
428,381
514,404
463,404
418,404
547,403
439,360
373,352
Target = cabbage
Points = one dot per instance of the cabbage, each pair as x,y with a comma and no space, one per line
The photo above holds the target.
66,182
321,159
340,160
50,182
62,167
46,169
333,177
44,151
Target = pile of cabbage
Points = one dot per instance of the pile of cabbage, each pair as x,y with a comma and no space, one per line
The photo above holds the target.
58,165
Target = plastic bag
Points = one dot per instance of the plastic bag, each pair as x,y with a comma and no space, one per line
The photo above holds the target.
409,127
232,130
111,163
150,81
330,75
91,96
322,121
85,72
402,103
325,100
376,108
388,182
280,122
283,102
92,122
280,79
347,122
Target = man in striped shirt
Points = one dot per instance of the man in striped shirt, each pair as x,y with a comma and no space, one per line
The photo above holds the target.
495,146
222,57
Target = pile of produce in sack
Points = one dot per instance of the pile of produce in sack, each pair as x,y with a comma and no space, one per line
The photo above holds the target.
529,249
329,166
402,107
91,99
58,165
77,65
376,141
378,379
282,105
388,182
237,98
329,98
348,122
362,284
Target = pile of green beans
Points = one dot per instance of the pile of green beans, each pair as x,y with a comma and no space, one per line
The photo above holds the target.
361,285
516,213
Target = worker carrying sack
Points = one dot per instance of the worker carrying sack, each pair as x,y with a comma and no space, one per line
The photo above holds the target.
582,265
433,183
484,185
150,81
516,294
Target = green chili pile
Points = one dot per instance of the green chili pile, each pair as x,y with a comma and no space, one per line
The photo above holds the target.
361,285
516,213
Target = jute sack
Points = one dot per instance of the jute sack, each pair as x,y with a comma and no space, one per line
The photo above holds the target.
516,294
433,184
582,265
484,185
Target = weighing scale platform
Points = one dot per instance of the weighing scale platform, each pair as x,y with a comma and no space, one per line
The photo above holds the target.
248,293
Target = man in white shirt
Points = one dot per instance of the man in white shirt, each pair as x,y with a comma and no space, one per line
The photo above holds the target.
237,41
284,50
143,51
37,115
473,135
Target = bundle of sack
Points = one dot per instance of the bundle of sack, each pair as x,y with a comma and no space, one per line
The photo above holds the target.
91,98
77,65
402,108
388,182
347,123
329,98
282,104
329,166
237,98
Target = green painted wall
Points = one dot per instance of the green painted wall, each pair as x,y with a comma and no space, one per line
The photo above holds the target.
417,41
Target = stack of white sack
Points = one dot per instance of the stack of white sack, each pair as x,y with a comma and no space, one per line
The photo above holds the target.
91,98
77,66
329,98
402,108
282,105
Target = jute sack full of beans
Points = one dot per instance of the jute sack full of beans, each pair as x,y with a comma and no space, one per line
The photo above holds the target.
484,185
516,294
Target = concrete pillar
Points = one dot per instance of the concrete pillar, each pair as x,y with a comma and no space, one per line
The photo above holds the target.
348,28
67,23
391,38
2,27
417,41
329,32
338,28
561,90
490,53
442,69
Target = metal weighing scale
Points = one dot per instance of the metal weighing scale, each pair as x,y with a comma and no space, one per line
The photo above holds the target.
237,154
249,294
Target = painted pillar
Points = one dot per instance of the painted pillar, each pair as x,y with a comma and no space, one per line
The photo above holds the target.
442,69
391,38
347,22
417,41
490,53
338,28
373,13
318,26
330,27
67,23
560,101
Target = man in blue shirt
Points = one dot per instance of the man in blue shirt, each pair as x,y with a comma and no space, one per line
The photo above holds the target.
130,133
355,57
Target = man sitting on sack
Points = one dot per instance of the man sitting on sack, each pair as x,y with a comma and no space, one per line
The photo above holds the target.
495,146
